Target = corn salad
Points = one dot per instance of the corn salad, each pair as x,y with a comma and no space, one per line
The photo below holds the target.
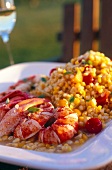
84,84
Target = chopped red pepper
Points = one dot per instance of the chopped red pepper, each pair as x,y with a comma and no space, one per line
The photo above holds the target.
51,71
102,100
88,79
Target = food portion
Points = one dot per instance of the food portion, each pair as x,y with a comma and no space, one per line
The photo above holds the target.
58,112
64,127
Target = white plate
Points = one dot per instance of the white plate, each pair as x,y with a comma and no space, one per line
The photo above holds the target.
95,153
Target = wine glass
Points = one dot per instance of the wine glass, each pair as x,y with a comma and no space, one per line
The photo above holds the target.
7,22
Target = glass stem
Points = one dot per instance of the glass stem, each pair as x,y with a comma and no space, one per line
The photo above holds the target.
5,38
9,53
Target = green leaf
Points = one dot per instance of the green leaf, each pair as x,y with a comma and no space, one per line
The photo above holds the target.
43,79
88,100
25,80
89,62
42,96
68,72
33,109
72,98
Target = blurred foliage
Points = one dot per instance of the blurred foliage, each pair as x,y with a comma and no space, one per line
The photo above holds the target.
34,37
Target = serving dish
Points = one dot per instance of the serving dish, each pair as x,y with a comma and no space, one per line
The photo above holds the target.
95,153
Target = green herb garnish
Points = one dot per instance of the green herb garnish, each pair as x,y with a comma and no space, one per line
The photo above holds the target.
68,72
72,98
25,79
89,62
42,96
88,100
43,79
33,109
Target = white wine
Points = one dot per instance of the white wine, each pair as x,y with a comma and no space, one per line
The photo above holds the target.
7,22
6,12
7,19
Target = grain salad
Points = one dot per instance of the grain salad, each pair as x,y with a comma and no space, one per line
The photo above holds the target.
74,104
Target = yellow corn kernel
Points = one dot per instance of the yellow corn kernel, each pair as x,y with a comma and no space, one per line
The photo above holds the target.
55,92
79,88
62,102
21,144
28,147
16,140
5,137
83,93
69,149
71,106
103,65
76,142
65,85
92,102
81,141
51,147
64,71
77,62
65,144
77,111
47,146
84,113
78,77
99,79
100,90
84,137
66,148
43,86
76,101
88,107
56,89
93,73
91,57
81,118
99,107
99,116
103,71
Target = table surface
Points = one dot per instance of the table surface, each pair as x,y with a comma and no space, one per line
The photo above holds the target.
4,166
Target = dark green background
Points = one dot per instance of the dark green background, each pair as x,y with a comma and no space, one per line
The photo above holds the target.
34,36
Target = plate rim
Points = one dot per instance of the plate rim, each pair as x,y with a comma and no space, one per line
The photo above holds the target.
6,159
